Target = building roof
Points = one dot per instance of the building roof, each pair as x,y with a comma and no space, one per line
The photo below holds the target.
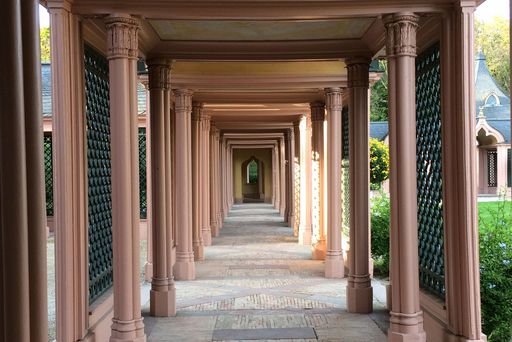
46,89
379,130
491,101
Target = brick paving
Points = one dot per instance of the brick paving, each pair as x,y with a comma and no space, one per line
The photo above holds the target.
256,276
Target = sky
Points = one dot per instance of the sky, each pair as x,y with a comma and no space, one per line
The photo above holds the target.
488,10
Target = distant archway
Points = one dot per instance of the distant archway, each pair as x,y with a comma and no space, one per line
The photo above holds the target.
253,180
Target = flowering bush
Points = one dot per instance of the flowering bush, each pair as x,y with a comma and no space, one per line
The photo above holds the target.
495,225
379,163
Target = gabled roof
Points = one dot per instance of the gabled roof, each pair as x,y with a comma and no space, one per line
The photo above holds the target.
486,86
46,90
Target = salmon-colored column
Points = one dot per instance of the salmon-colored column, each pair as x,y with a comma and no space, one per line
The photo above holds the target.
163,293
318,186
214,202
22,218
122,36
305,232
276,179
218,181
359,288
406,322
205,179
462,265
70,174
296,176
184,269
282,178
224,179
334,265
290,139
197,180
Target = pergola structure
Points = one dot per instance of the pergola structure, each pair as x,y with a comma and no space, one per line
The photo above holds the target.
292,76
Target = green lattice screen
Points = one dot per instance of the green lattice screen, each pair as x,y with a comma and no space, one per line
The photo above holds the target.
429,172
143,174
98,172
48,173
346,172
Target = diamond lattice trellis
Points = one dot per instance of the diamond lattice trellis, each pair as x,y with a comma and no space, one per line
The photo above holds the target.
429,171
143,174
98,172
48,173
345,170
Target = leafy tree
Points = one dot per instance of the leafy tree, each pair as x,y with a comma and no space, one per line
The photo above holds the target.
379,96
494,41
45,44
379,162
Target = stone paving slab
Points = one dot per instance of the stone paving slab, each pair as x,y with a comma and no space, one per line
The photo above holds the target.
264,334
258,280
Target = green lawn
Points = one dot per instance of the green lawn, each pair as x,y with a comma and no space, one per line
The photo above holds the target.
491,211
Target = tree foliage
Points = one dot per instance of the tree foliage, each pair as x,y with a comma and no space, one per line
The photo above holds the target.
379,215
493,39
45,44
379,96
379,161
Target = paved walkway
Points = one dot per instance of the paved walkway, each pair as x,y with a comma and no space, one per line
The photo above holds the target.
258,284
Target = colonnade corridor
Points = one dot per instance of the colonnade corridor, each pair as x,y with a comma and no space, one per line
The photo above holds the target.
258,283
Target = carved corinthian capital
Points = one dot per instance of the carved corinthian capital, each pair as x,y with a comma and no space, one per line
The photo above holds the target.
317,111
358,72
183,101
122,37
401,31
159,74
333,101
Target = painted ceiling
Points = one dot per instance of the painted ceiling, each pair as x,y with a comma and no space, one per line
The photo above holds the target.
218,30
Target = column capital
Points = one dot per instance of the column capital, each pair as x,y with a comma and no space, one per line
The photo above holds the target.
317,111
290,133
333,99
401,34
159,74
122,36
183,100
358,72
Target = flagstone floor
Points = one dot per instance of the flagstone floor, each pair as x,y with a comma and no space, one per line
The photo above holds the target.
258,284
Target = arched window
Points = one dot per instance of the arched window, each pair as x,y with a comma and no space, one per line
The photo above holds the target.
252,172
492,101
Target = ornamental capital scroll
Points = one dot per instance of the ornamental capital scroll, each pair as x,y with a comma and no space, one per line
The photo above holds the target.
159,75
401,29
333,100
358,72
122,37
183,101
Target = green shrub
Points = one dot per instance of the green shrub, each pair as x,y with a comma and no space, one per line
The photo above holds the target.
495,226
379,162
380,212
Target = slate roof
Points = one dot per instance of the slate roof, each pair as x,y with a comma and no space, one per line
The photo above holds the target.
379,130
46,89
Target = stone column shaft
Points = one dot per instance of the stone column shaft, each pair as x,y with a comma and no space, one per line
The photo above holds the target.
282,178
214,182
122,54
318,186
291,177
184,269
296,176
197,180
406,316
205,180
163,293
334,264
359,289
276,177
305,233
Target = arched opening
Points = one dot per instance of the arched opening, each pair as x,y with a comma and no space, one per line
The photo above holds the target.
253,176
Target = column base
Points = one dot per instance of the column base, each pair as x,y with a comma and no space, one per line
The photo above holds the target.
127,331
360,299
219,221
185,269
148,272
305,236
406,327
389,298
319,250
291,220
215,229
198,252
207,236
162,303
334,266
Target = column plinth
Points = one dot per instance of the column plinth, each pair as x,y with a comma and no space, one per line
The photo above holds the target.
334,264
